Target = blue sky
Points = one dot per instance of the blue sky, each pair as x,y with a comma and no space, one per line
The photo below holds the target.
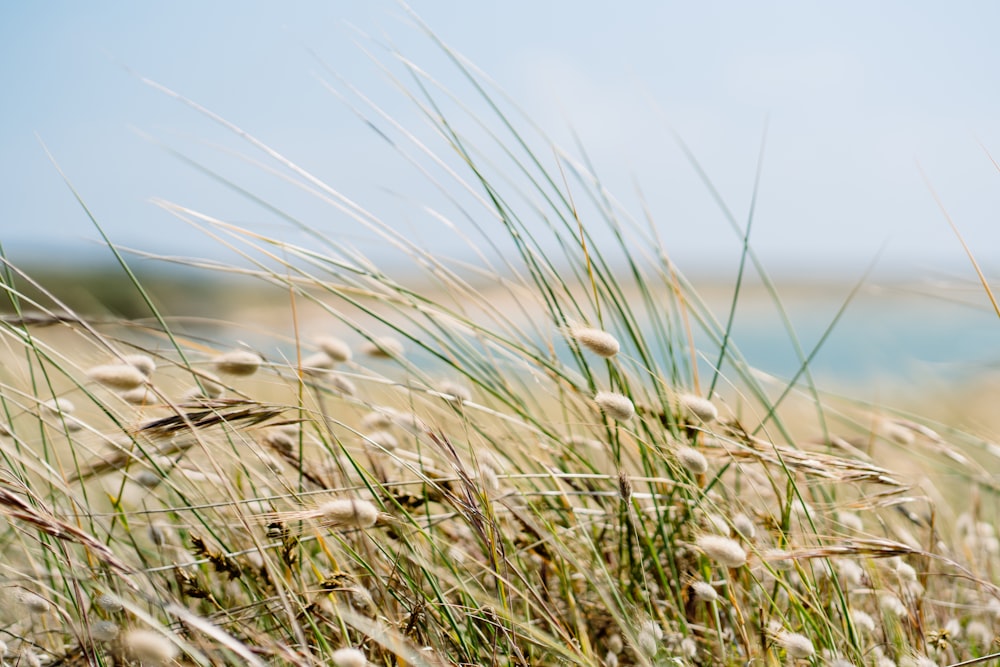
857,94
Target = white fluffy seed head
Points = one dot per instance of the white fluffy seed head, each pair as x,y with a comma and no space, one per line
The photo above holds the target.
617,406
33,602
797,646
375,421
905,572
384,347
241,363
979,633
716,523
121,377
342,385
891,605
337,350
699,408
150,647
850,521
348,512
104,631
892,430
109,603
381,440
744,526
704,591
207,385
139,396
863,621
692,460
648,639
317,364
57,406
459,392
597,341
142,362
349,657
850,572
722,550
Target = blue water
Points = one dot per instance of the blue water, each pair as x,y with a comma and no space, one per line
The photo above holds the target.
883,334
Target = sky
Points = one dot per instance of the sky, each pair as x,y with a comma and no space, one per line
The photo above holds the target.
869,107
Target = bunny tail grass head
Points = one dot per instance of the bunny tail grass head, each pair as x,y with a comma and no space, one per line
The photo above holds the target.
150,647
617,406
384,347
58,406
317,365
692,460
339,513
348,657
104,631
32,602
121,377
241,363
597,341
699,408
348,512
797,646
722,550
142,362
704,591
337,350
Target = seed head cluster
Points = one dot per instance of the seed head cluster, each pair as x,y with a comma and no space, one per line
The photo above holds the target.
692,460
122,377
617,406
349,657
701,409
722,550
347,513
241,363
150,647
597,341
337,350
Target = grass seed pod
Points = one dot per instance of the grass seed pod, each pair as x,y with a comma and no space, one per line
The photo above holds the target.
241,363
150,647
121,377
142,362
348,657
459,393
722,550
348,512
207,386
318,364
56,406
797,646
692,460
33,602
597,341
704,591
617,406
699,408
337,350
104,631
384,347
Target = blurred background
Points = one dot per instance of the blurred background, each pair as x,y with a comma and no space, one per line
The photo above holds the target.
867,108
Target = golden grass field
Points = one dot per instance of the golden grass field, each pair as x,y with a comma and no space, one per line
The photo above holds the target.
566,461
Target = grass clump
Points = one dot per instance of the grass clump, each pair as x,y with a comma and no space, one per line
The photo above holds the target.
466,492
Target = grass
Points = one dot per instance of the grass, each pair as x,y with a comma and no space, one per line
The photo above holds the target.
522,462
